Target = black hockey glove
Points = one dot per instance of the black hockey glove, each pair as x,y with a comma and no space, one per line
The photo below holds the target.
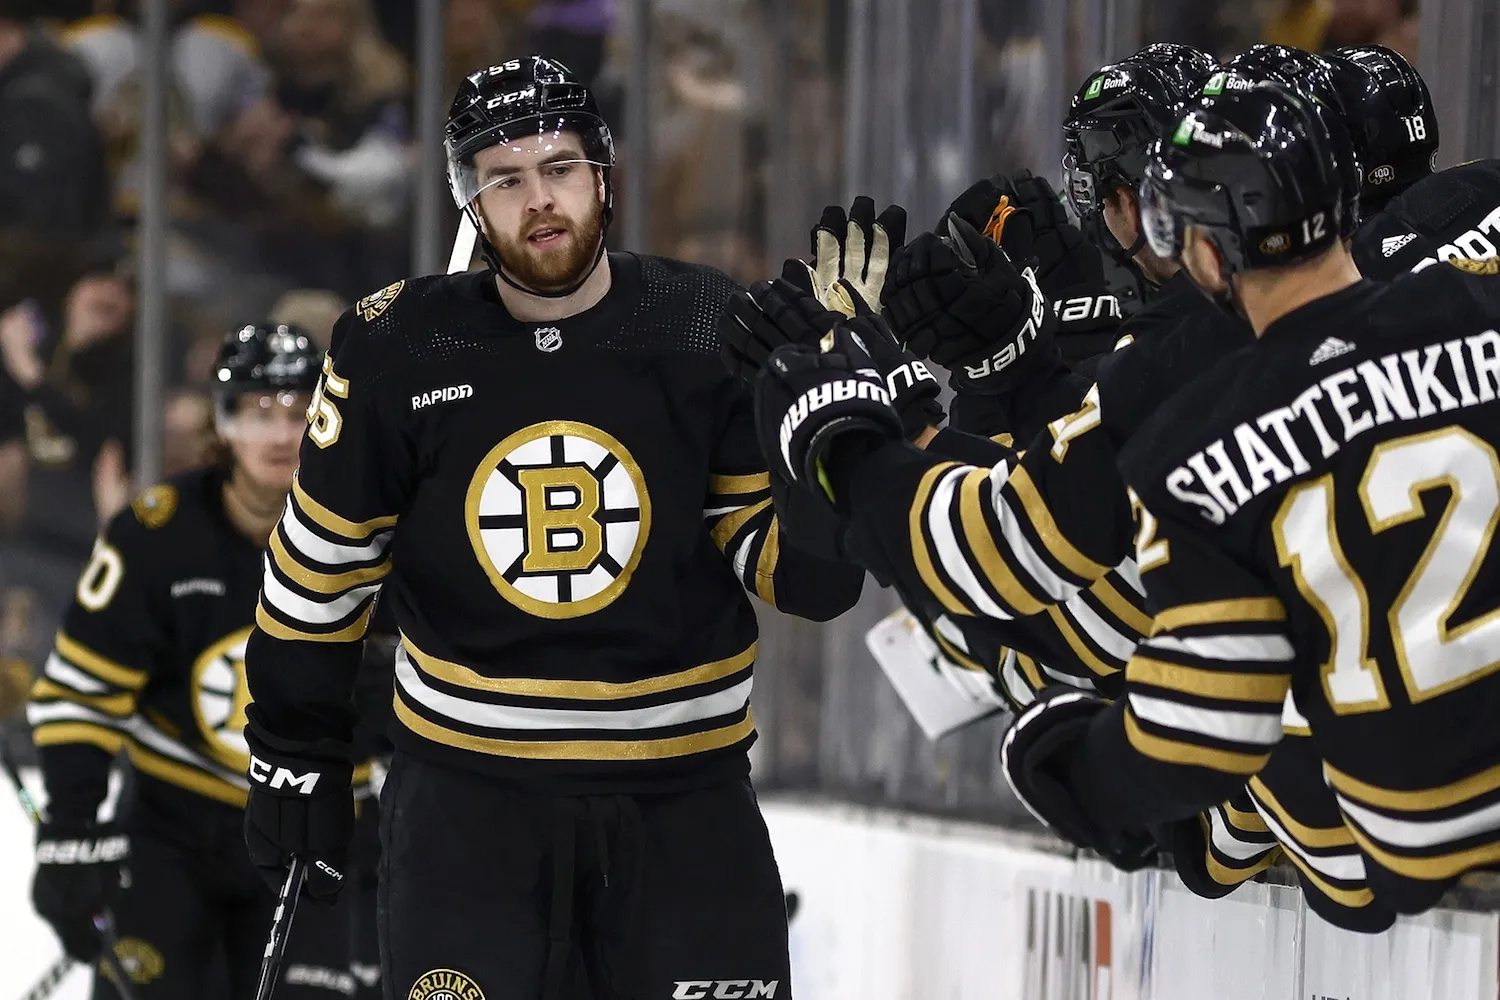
1070,270
301,804
958,300
774,313
851,256
79,873
769,315
1035,755
992,208
809,396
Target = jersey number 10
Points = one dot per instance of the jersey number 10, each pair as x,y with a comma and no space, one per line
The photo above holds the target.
1433,657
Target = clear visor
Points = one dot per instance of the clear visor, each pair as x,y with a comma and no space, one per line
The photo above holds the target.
563,151
518,183
1158,217
264,417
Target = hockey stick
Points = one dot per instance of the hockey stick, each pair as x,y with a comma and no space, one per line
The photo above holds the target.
104,922
51,979
463,245
281,926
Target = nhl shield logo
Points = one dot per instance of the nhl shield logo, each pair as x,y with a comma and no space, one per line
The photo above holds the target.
548,339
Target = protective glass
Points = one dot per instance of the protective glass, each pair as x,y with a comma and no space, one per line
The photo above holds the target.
264,416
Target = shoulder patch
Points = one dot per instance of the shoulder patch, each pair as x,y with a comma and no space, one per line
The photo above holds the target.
1490,265
156,506
371,306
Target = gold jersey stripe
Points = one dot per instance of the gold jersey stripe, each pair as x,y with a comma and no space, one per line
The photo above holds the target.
981,542
185,776
1118,604
1248,822
1269,689
1415,801
355,531
920,553
658,749
1075,642
955,654
1353,899
323,583
1290,730
352,632
1308,836
51,734
1431,868
1232,874
1174,752
1052,537
765,563
119,705
1240,609
462,676
737,485
729,525
91,662
1029,670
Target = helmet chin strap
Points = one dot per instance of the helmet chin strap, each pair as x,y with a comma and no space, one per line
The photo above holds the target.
492,258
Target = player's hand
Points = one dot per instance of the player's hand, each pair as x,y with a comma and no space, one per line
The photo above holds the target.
1070,271
78,875
301,804
775,313
958,300
1035,755
851,256
992,208
770,314
807,397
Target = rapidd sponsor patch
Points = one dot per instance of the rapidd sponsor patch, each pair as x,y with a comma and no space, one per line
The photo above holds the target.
1490,265
444,984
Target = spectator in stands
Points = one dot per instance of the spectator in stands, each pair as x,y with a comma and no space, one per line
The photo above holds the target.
348,93
216,74
482,33
573,32
75,379
52,180
1317,25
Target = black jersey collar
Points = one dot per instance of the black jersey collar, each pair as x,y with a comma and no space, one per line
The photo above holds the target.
1330,313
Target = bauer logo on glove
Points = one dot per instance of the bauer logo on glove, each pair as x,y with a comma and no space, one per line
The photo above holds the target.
1015,347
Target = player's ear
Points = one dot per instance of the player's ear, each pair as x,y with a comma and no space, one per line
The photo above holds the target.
1203,261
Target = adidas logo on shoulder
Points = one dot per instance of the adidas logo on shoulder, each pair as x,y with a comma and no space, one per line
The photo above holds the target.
1330,349
1391,245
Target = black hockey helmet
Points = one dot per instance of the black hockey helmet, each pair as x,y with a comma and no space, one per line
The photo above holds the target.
264,357
1190,65
1252,167
1391,119
1311,75
1112,122
532,96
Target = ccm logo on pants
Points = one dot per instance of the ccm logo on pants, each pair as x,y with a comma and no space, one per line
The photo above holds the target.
724,989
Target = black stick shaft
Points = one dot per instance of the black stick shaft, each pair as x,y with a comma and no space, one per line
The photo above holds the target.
281,926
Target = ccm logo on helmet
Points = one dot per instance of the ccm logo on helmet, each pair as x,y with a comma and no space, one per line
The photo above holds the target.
280,777
724,989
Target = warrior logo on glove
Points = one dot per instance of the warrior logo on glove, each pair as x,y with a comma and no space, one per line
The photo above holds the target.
820,396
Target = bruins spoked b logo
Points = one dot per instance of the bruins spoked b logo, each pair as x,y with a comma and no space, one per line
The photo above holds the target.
444,984
558,514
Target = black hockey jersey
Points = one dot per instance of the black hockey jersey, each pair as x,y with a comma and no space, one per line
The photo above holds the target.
151,654
1454,213
566,518
1322,510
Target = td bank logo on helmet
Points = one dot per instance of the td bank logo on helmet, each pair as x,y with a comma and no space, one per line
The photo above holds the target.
724,989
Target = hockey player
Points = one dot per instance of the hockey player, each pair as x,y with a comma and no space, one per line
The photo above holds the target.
1313,504
150,658
560,489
